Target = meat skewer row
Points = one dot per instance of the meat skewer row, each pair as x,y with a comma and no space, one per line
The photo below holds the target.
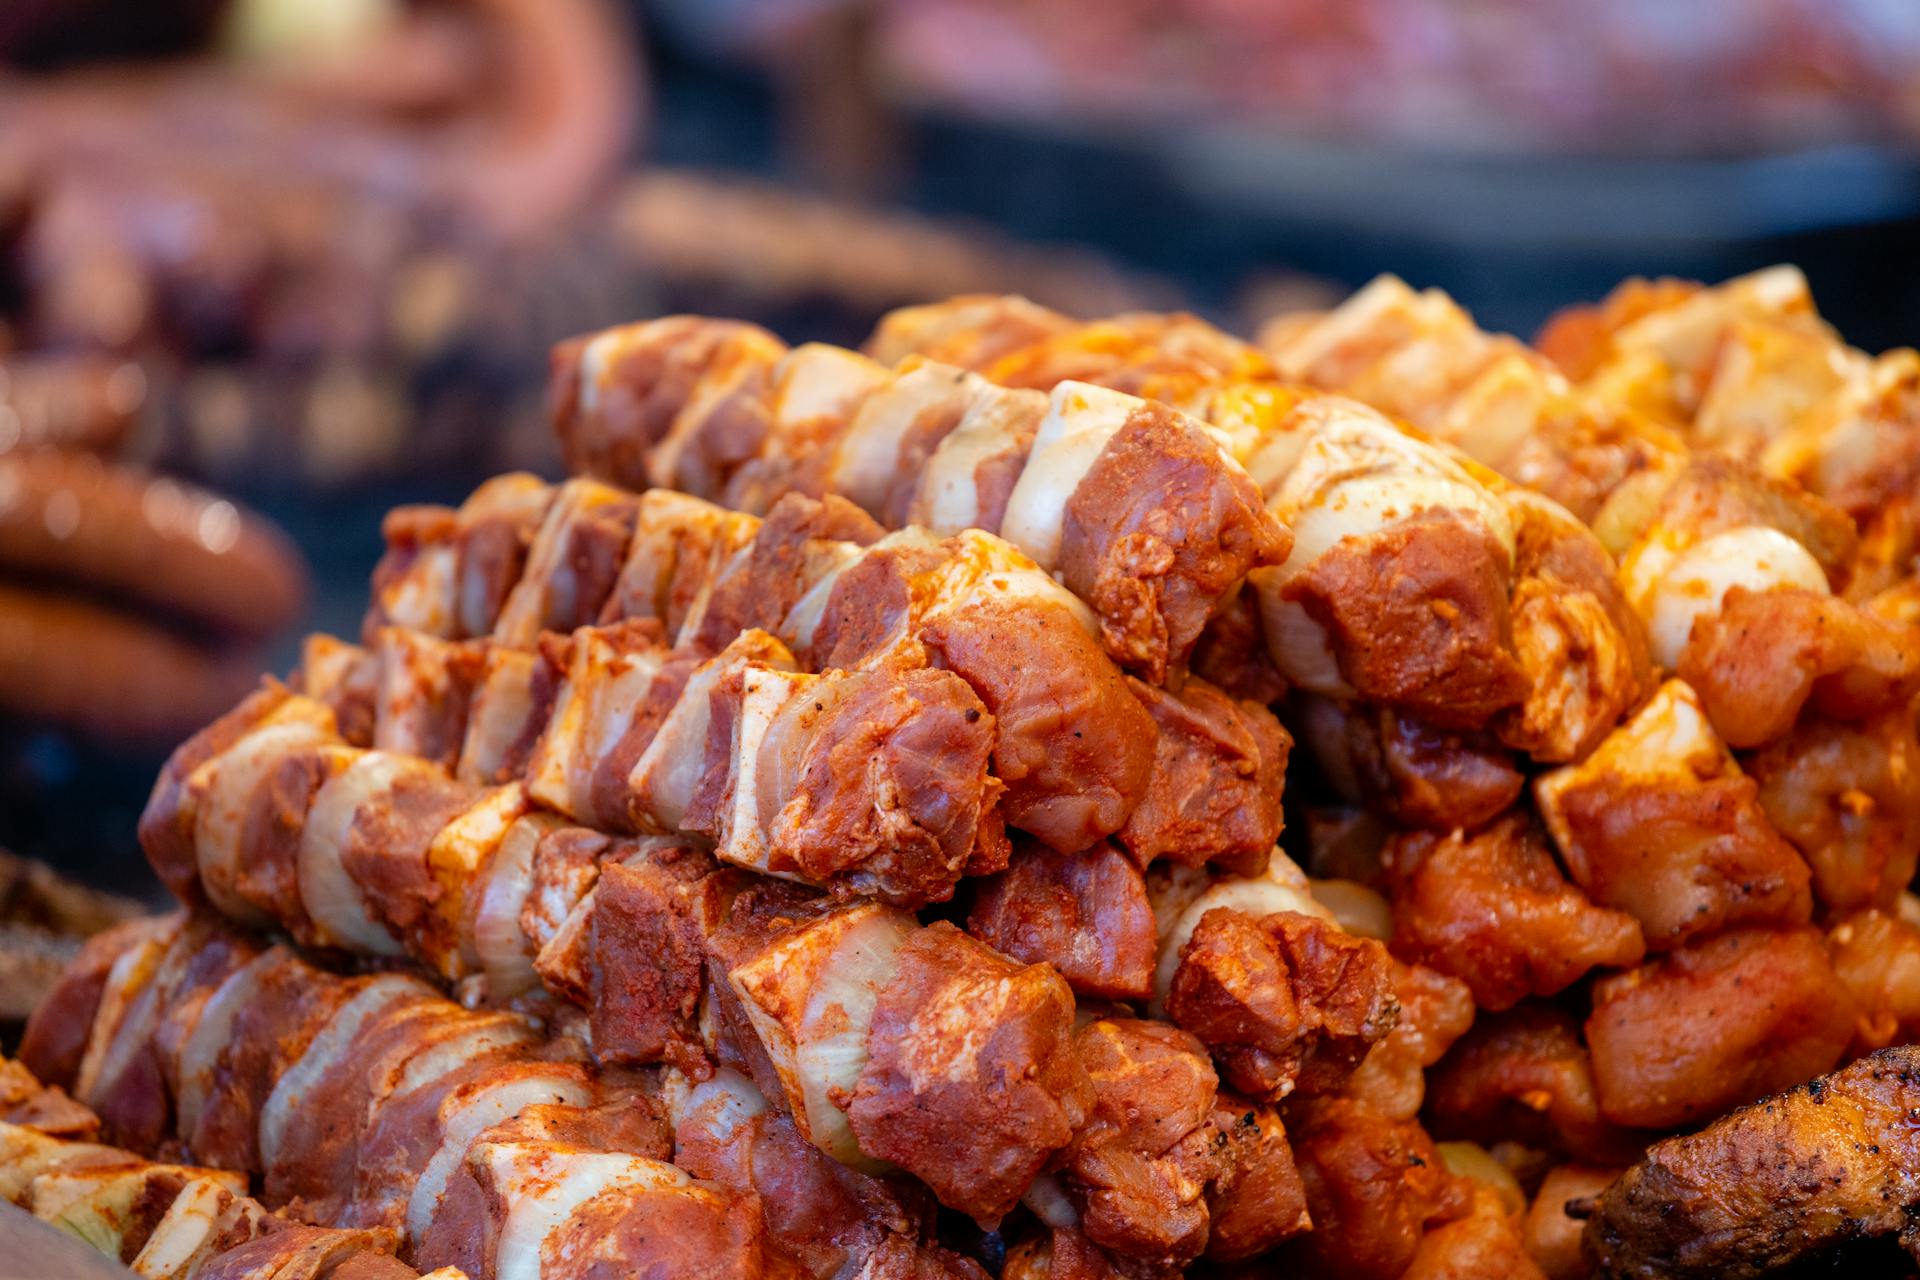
185,1014
269,815
722,1129
1575,640
609,727
1686,528
631,944
1733,573
1082,751
1087,912
1749,369
1140,510
1695,534
933,444
974,606
871,781
166,1221
372,1103
631,931
1317,457
234,808
1504,607
1419,356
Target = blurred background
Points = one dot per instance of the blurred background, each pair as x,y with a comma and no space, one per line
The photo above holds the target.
268,267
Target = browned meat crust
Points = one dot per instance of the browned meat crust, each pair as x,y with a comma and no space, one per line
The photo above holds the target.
1831,1161
1686,861
1373,1185
1139,1167
1848,797
1415,772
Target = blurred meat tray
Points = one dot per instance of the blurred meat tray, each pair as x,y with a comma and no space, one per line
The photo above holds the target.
304,220
43,920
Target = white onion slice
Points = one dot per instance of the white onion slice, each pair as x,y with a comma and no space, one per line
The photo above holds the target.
200,1052
748,354
1298,645
1672,588
1686,334
810,995
423,598
475,1036
542,1188
333,901
498,942
459,855
599,353
1378,317
1081,422
26,1153
97,1203
826,562
985,570
1356,908
592,712
497,715
476,1113
743,837
867,460
183,1231
718,1105
548,588
665,777
946,499
123,1021
816,381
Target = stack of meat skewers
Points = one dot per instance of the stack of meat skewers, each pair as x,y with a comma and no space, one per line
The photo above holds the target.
836,832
